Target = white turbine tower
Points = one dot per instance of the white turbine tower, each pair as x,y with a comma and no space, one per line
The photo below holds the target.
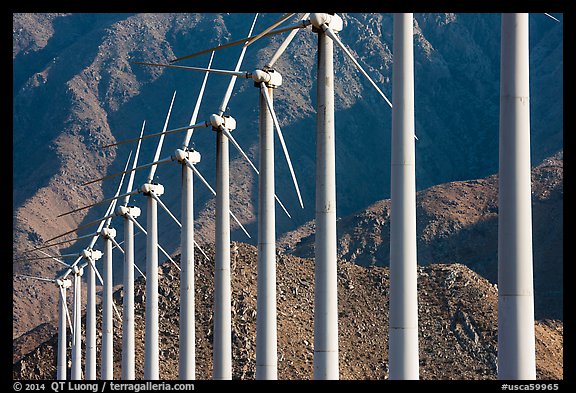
129,213
151,338
325,294
403,321
76,372
516,342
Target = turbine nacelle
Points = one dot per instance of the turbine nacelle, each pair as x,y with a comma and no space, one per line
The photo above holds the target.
91,254
147,188
181,156
331,20
78,270
270,77
108,233
131,210
63,283
227,122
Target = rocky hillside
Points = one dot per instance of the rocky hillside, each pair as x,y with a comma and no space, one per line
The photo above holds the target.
457,319
75,89
458,222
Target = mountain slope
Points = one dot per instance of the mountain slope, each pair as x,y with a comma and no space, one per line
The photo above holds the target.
457,320
457,222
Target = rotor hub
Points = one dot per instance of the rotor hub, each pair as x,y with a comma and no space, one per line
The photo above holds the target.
89,253
108,233
157,189
78,270
270,77
191,155
64,283
131,210
333,21
227,122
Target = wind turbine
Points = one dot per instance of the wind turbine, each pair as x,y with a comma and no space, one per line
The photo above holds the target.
151,340
63,315
108,234
188,158
325,294
403,322
266,79
516,341
76,372
129,214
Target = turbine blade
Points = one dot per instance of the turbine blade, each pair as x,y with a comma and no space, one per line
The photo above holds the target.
237,146
168,256
98,203
112,205
36,278
93,266
140,271
241,74
36,258
116,310
241,226
80,227
228,93
160,162
63,296
335,38
197,172
201,250
282,206
55,244
299,25
161,141
282,19
197,106
264,91
159,246
163,206
56,259
215,48
117,245
284,45
131,179
180,129
550,16
65,275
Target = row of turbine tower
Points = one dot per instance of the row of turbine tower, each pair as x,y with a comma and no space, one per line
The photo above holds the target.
516,348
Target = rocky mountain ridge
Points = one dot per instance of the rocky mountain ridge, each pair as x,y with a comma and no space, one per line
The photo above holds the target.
458,222
457,314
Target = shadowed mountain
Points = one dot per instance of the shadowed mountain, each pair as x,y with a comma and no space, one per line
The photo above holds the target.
457,222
